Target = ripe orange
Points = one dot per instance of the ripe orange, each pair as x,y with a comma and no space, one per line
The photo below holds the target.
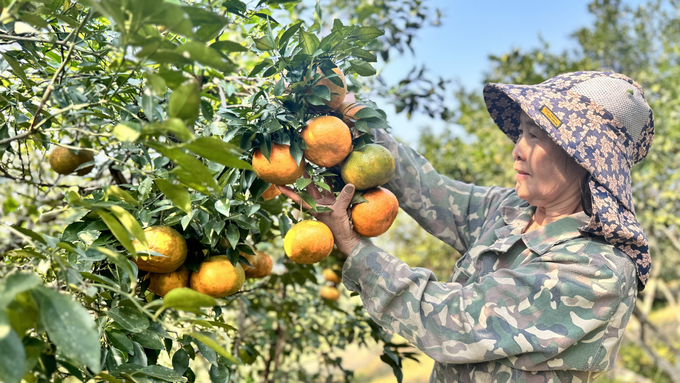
374,217
281,168
328,141
218,277
367,167
262,265
308,242
331,276
163,240
348,110
64,161
271,193
337,93
161,284
330,293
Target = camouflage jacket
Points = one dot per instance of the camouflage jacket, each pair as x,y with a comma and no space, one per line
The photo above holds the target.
550,305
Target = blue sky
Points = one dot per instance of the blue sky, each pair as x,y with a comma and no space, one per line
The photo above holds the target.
471,30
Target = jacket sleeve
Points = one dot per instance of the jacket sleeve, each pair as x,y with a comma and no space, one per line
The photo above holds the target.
530,314
452,211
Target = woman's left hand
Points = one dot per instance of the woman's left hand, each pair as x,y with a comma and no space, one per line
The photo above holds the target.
337,220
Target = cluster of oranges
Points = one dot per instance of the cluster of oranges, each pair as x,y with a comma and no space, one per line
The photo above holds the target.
329,143
216,276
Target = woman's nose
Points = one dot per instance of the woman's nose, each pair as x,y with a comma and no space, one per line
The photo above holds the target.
517,151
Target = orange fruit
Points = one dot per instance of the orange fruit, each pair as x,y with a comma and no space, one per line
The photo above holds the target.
271,193
374,217
64,161
281,168
328,141
218,277
367,167
338,93
262,265
330,293
331,276
308,242
161,284
348,110
163,240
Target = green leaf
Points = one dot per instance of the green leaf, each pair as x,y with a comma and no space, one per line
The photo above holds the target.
172,17
265,43
163,373
218,151
215,346
120,340
364,55
127,131
173,126
309,42
129,318
367,34
322,91
121,194
222,206
233,235
219,373
119,260
15,284
205,55
362,68
148,339
179,195
31,234
279,88
70,327
209,23
180,361
130,224
190,170
12,350
283,41
118,231
302,183
185,102
16,68
228,46
235,6
184,298
156,83
259,66
367,112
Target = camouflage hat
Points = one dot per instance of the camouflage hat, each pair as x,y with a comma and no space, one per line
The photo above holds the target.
603,121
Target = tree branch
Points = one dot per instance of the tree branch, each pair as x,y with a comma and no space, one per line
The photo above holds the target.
48,91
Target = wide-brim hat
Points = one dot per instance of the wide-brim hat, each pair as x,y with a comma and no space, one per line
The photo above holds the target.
602,120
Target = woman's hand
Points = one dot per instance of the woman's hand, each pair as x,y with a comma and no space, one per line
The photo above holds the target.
337,220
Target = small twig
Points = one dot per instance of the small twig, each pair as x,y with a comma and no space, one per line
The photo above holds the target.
21,38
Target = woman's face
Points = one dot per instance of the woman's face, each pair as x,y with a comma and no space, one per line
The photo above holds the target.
546,175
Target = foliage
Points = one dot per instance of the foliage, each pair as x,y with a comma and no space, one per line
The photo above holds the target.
173,99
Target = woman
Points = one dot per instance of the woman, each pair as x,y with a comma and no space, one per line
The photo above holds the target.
551,268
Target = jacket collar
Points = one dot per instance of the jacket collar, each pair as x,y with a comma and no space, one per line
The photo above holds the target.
542,239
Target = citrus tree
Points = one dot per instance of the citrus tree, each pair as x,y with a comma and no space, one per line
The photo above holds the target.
130,131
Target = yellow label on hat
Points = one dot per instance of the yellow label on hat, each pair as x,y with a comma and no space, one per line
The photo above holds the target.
551,116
